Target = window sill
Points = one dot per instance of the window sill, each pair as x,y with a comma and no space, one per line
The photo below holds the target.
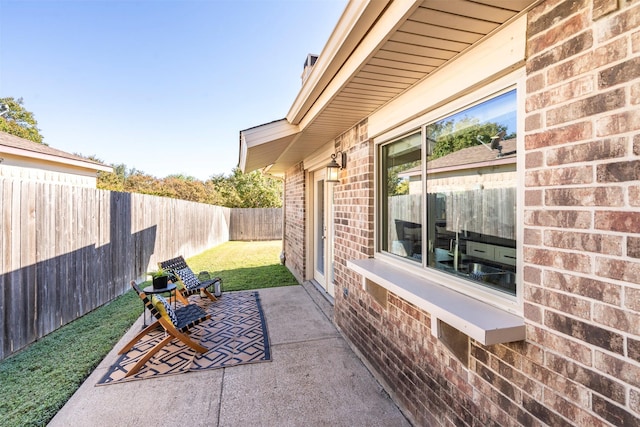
481,321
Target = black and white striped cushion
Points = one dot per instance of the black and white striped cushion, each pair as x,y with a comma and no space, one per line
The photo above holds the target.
168,309
188,278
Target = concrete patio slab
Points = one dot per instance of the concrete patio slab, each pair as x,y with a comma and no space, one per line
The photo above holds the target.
314,379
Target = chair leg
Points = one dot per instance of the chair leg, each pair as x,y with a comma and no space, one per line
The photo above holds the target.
148,356
135,339
183,299
181,336
188,341
210,295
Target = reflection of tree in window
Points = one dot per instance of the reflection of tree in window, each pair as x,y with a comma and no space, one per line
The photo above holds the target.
401,197
397,186
471,194
453,135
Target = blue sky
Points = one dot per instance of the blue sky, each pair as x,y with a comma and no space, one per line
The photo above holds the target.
162,86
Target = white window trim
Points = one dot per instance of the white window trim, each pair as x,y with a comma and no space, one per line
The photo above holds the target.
486,315
513,79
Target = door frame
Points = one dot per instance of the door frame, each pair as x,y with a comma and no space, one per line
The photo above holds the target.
325,279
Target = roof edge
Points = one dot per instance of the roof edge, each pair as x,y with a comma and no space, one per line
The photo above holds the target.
20,147
353,25
252,138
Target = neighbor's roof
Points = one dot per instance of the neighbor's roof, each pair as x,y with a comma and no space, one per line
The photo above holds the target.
377,51
14,145
477,156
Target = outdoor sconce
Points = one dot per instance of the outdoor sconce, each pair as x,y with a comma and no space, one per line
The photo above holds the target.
333,168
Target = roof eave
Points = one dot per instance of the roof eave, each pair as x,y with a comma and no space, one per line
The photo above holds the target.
320,111
354,23
19,152
261,146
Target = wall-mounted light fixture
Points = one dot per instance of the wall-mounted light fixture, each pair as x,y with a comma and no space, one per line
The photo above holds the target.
333,168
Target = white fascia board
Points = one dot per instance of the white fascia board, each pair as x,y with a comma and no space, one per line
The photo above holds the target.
377,31
393,17
320,158
253,139
343,39
50,158
242,160
268,132
501,53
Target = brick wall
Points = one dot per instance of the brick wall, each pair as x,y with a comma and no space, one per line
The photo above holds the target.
353,203
580,364
295,215
581,218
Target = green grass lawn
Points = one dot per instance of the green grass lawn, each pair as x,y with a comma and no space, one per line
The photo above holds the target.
245,265
37,382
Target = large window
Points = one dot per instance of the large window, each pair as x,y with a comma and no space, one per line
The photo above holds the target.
467,186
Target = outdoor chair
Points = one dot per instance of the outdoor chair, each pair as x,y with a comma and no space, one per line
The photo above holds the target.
176,323
188,283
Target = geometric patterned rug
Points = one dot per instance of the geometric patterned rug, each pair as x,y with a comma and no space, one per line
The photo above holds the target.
236,334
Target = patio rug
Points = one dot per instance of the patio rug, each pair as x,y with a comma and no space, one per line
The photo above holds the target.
236,334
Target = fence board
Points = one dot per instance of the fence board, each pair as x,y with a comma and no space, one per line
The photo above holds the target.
45,251
28,257
16,307
256,224
3,224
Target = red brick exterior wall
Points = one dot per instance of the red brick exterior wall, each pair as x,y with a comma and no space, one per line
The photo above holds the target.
580,364
582,221
295,216
353,204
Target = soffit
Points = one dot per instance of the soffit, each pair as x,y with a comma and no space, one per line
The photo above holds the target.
430,35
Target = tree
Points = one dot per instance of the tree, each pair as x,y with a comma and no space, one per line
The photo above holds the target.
187,188
140,182
174,186
113,181
248,190
18,121
397,186
238,190
452,136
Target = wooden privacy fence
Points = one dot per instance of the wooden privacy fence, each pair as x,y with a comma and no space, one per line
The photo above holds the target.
256,224
66,250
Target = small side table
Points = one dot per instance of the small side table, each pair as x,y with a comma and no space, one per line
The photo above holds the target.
150,290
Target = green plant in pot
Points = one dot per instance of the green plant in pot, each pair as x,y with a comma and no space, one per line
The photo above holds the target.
160,278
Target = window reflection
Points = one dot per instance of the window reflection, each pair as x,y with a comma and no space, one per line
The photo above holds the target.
402,197
471,193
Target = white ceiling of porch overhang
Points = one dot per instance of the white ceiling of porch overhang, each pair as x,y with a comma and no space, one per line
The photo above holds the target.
421,37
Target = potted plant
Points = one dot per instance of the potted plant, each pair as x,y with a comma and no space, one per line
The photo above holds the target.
160,278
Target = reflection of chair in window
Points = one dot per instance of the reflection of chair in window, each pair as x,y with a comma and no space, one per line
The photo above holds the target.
409,241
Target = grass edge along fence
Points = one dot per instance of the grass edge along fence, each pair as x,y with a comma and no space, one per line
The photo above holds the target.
66,250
